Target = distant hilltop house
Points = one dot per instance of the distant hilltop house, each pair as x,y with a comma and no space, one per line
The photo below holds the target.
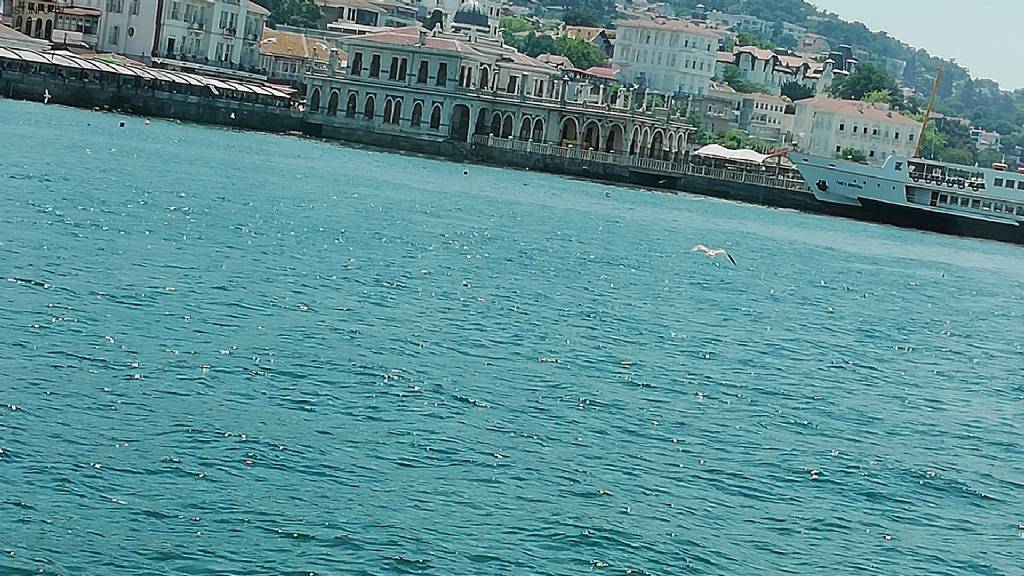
757,26
365,16
826,127
599,37
984,140
772,70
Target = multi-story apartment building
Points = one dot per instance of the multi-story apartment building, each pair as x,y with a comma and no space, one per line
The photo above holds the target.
826,127
669,56
218,33
128,27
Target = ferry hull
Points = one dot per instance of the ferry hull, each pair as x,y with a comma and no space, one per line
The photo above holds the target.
909,217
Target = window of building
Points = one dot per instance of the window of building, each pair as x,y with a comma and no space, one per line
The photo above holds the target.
393,69
871,154
421,74
176,11
897,137
135,7
874,131
375,66
115,35
357,64
442,74
435,117
842,126
839,149
855,129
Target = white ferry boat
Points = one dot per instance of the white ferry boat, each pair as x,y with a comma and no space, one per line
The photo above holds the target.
924,194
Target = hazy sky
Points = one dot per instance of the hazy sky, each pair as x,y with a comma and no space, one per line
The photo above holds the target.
982,35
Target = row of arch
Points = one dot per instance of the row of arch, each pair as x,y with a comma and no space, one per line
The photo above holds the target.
35,27
530,128
653,142
392,112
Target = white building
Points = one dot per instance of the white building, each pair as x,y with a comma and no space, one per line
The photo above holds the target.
764,116
481,16
670,56
826,127
128,27
762,28
218,33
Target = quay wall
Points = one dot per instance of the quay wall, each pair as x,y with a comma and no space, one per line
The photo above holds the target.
622,174
148,102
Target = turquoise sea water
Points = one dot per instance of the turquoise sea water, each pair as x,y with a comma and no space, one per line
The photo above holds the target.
259,354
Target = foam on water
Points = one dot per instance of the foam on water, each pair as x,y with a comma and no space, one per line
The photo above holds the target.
232,352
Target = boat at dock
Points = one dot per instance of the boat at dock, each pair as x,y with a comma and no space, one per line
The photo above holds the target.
923,194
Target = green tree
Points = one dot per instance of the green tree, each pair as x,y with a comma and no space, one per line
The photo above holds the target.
853,154
866,78
582,53
748,39
515,24
580,17
300,13
796,91
732,76
878,97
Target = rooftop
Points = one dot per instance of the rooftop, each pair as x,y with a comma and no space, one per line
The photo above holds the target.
855,108
673,25
254,7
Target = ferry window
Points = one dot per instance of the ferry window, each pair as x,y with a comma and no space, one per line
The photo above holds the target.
1009,183
998,182
997,207
1020,185
899,166
975,204
965,202
1020,210
986,206
943,199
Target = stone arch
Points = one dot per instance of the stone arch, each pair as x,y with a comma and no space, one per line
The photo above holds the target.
506,126
569,132
368,107
525,128
417,114
645,142
485,77
332,103
657,144
538,130
314,101
387,110
435,117
460,123
614,142
38,29
48,32
592,135
480,125
681,143
396,110
351,105
634,141
496,124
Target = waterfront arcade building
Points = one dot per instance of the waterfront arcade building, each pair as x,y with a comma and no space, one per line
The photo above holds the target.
34,18
432,86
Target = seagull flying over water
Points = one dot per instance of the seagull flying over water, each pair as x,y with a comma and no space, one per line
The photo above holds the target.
713,253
